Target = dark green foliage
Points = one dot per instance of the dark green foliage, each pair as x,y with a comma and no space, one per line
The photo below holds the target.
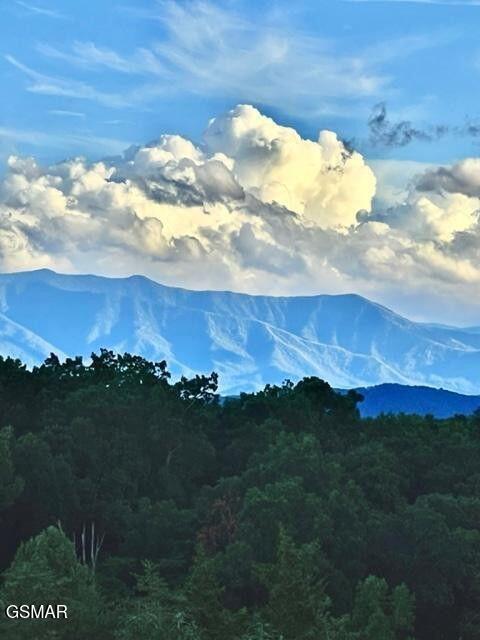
11,485
297,603
380,615
157,512
46,570
156,612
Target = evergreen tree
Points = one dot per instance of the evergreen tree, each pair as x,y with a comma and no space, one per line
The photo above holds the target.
46,571
381,615
205,596
297,603
155,613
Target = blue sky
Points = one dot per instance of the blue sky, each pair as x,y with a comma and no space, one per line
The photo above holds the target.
96,76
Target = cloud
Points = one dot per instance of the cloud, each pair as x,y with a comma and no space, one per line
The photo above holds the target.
209,49
384,132
66,114
255,208
70,141
321,180
399,134
433,218
461,178
89,56
41,11
234,209
213,49
394,179
56,86
206,49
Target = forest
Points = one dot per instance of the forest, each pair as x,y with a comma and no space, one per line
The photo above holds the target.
157,510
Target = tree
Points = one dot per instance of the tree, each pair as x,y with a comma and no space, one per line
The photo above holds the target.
297,603
155,613
381,615
205,596
11,485
46,571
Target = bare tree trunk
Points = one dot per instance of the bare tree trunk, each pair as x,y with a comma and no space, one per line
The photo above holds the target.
84,555
92,537
90,549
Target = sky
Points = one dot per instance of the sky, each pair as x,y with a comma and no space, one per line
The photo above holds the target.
323,147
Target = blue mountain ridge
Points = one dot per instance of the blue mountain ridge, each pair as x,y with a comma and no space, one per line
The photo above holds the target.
249,340
396,398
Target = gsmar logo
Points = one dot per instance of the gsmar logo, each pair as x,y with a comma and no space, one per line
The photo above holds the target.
37,612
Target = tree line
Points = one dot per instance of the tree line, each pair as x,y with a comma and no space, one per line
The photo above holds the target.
155,509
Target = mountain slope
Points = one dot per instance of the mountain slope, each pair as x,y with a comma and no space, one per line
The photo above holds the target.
249,340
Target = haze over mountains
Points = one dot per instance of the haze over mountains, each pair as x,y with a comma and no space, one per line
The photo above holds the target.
249,340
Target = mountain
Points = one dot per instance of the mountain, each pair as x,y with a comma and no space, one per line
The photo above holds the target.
396,398
249,340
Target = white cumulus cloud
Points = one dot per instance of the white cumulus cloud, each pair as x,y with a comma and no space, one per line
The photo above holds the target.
254,208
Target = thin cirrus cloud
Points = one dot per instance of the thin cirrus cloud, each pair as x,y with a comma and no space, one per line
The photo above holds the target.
37,10
70,141
208,50
88,55
56,86
213,51
66,114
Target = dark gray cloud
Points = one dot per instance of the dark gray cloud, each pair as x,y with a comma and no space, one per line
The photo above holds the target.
399,134
387,133
462,177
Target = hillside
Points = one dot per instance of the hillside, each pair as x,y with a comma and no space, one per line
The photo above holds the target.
395,398
249,340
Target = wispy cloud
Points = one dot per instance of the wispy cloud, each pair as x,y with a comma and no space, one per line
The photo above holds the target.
66,114
214,51
88,55
400,133
71,141
56,86
35,138
211,50
41,11
218,51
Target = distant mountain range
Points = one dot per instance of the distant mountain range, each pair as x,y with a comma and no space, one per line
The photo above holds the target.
249,340
397,398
